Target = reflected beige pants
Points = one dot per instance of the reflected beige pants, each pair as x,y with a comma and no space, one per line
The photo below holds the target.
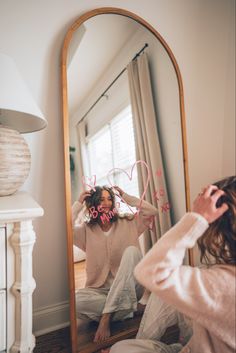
158,316
121,298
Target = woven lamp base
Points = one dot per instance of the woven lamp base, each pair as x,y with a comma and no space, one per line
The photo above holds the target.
14,160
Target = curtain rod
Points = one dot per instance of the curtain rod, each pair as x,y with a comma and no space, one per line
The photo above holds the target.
115,79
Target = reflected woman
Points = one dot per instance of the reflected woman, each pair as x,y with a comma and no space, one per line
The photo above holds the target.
112,251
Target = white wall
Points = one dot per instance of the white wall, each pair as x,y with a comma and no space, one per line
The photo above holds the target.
201,36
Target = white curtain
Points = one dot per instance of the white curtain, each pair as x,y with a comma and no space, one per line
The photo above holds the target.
148,146
80,160
81,170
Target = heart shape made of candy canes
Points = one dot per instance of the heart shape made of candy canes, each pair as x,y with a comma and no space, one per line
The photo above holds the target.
130,178
89,181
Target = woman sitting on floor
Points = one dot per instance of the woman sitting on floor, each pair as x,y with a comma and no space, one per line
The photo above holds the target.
205,295
112,251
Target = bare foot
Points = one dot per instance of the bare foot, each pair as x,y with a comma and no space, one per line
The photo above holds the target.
103,330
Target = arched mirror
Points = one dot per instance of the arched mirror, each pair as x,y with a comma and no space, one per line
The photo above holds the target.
124,125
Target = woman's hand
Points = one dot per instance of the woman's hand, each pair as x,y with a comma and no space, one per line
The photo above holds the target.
120,191
83,195
205,204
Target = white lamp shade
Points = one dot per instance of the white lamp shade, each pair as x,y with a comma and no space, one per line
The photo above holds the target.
17,106
18,114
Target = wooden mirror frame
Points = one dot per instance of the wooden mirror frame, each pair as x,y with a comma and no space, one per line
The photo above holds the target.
72,29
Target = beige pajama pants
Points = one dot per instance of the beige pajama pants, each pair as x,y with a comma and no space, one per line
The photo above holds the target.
121,298
158,316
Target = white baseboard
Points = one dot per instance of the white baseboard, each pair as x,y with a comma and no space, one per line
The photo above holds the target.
50,318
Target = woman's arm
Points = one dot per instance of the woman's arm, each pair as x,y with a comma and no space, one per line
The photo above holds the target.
78,205
156,269
79,234
191,290
76,208
79,230
167,254
144,207
146,211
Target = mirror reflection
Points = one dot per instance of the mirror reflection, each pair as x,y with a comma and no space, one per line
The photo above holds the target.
126,167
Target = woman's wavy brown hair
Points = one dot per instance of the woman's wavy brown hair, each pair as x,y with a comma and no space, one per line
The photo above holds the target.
95,200
219,240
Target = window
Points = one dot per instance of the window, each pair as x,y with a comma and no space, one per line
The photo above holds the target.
113,146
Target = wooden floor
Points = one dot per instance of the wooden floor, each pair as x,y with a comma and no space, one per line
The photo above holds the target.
54,342
59,341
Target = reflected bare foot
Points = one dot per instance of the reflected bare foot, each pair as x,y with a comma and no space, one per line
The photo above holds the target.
103,331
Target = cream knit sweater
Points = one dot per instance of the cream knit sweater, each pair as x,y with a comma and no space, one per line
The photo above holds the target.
104,253
207,295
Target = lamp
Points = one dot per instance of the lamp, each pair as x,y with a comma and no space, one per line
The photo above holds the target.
18,114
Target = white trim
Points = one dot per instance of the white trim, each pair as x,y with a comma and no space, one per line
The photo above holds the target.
50,318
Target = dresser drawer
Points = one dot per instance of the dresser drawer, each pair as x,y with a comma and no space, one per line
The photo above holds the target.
2,258
2,320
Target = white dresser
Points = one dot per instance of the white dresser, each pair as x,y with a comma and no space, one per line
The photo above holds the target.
17,284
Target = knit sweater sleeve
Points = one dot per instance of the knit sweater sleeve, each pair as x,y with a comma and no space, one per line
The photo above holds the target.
145,214
79,231
193,291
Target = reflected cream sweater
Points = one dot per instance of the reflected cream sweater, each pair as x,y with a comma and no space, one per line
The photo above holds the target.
103,253
205,295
